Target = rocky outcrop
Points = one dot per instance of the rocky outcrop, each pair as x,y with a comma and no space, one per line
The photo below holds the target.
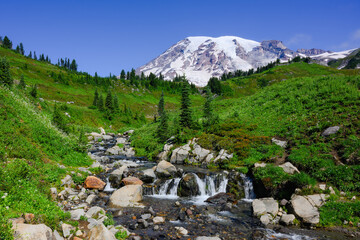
265,205
92,182
188,186
180,154
128,196
289,168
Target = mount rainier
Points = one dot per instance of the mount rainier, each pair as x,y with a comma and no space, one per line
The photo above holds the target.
200,58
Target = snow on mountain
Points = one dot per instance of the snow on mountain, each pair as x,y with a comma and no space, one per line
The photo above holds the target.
200,58
328,56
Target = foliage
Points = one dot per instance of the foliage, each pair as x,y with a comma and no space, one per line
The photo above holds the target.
335,213
186,114
109,220
5,76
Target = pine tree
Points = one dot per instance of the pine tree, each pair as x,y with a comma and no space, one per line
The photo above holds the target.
58,119
30,55
207,111
122,74
22,84
17,49
161,105
35,57
109,101
162,131
7,43
73,65
185,115
100,103
22,51
5,76
33,91
96,98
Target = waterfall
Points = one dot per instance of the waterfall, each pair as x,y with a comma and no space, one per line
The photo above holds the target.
248,188
108,187
169,189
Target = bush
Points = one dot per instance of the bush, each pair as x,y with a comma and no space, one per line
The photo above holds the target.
335,213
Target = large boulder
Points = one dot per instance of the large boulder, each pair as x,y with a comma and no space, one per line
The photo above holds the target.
116,176
165,169
289,168
304,210
188,186
287,219
147,176
32,232
128,196
100,232
94,183
132,181
265,205
180,154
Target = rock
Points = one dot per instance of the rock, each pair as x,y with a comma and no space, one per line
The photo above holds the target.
181,231
121,140
67,181
180,154
100,232
332,191
102,131
77,238
116,176
158,220
94,183
209,158
56,236
265,205
280,143
148,175
289,168
129,132
317,200
78,233
93,223
146,216
32,232
90,199
287,219
220,198
95,212
188,186
113,151
283,202
29,217
200,153
223,155
165,169
304,210
128,196
66,228
330,130
265,219
207,238
259,164
76,214
53,193
322,187
132,181
143,223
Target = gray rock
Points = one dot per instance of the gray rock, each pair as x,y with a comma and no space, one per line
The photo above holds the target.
330,130
158,220
209,158
280,143
66,229
116,176
287,219
289,168
180,154
93,223
90,199
121,140
182,231
76,214
53,193
148,175
102,131
113,151
266,219
56,236
100,232
107,137
265,205
200,153
165,169
283,202
188,186
207,238
127,196
67,181
304,210
95,212
223,155
146,216
32,232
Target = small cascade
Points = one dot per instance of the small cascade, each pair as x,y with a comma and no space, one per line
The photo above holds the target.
248,188
169,189
108,187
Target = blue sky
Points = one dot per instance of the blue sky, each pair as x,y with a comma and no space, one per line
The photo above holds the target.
107,36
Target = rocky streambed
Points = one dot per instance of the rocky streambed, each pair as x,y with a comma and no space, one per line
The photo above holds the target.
164,201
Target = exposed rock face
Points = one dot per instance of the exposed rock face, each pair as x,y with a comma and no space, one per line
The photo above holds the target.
280,143
165,169
100,232
180,154
94,183
32,232
132,181
313,51
128,196
188,186
331,130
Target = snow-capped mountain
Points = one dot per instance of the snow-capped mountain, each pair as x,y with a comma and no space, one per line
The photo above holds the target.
200,58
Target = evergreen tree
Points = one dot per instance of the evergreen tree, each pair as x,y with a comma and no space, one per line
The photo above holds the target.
7,43
161,105
5,76
73,65
22,84
22,51
116,103
214,85
35,57
17,49
96,97
109,101
30,55
33,91
58,119
122,74
185,115
162,131
100,103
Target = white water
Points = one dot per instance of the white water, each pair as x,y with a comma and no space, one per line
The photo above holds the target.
271,234
207,188
108,187
248,188
166,191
